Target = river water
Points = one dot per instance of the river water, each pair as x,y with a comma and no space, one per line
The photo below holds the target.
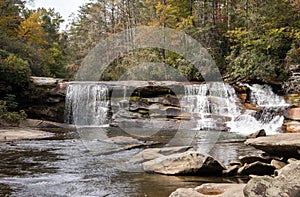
66,165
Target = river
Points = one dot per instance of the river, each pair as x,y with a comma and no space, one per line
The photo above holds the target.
65,165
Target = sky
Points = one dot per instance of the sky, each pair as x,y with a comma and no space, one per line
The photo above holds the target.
64,7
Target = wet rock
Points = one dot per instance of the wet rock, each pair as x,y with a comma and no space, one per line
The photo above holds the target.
211,189
231,171
287,183
187,163
256,168
277,164
269,157
253,158
292,113
153,153
282,145
293,126
259,133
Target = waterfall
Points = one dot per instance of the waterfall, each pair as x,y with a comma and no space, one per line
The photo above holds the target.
215,107
270,115
263,96
212,104
87,104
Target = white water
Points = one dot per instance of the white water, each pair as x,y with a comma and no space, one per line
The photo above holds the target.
215,106
87,104
211,103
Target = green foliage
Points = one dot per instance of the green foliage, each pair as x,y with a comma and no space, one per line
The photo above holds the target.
260,49
10,117
14,71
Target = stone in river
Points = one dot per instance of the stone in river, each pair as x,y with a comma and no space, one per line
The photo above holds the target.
287,183
153,153
211,189
277,164
257,134
187,163
257,168
282,145
253,158
231,171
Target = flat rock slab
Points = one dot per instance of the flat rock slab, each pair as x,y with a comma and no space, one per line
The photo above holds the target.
187,163
282,145
19,133
211,189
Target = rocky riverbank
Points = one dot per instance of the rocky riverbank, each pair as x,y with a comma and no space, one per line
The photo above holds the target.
278,169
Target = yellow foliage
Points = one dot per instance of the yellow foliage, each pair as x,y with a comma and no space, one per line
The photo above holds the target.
31,30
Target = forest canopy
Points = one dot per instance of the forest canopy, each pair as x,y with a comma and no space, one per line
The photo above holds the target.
250,40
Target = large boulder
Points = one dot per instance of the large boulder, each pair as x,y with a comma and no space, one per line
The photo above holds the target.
187,163
282,145
287,183
211,189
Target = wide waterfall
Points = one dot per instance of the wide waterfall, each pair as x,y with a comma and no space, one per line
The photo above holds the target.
213,106
87,104
216,107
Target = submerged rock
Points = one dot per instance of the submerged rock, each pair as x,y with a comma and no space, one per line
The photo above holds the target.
187,163
211,189
282,145
287,183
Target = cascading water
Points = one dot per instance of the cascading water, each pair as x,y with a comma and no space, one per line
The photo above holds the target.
214,106
87,104
269,117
